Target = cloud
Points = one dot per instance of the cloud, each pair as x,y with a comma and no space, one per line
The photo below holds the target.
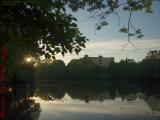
114,48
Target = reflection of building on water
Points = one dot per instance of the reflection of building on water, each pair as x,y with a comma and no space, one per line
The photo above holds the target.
100,60
25,107
88,92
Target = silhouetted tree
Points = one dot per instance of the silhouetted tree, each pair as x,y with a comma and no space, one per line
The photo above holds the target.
53,72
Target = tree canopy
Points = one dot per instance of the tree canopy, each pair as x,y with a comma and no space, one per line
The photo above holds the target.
43,27
38,27
101,9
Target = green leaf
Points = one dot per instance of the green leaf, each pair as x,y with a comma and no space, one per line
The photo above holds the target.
74,24
124,30
63,8
131,34
104,23
98,27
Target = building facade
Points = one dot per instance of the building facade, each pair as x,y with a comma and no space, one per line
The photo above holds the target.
100,60
155,54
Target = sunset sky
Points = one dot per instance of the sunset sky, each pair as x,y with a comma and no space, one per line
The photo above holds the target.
109,42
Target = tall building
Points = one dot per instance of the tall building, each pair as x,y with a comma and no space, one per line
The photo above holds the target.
155,54
100,60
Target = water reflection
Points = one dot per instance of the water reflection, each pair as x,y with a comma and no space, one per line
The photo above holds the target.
99,92
97,102
24,109
18,105
94,110
76,101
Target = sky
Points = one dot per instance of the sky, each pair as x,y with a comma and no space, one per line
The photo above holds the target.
109,42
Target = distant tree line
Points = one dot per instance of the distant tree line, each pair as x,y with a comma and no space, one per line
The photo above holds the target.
145,73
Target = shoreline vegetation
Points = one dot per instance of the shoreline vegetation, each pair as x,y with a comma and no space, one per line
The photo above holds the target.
83,80
145,74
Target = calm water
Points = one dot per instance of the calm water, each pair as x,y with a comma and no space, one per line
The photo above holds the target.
69,109
84,102
96,102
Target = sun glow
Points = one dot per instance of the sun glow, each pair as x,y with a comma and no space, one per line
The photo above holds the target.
29,59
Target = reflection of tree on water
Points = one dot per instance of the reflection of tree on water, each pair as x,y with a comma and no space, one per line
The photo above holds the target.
101,92
153,102
18,104
51,92
24,109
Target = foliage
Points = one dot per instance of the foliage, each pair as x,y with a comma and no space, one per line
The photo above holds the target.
25,24
84,70
101,9
43,27
145,73
54,71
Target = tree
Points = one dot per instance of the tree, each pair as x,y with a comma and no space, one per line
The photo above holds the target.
84,70
102,9
53,72
44,28
37,28
27,21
